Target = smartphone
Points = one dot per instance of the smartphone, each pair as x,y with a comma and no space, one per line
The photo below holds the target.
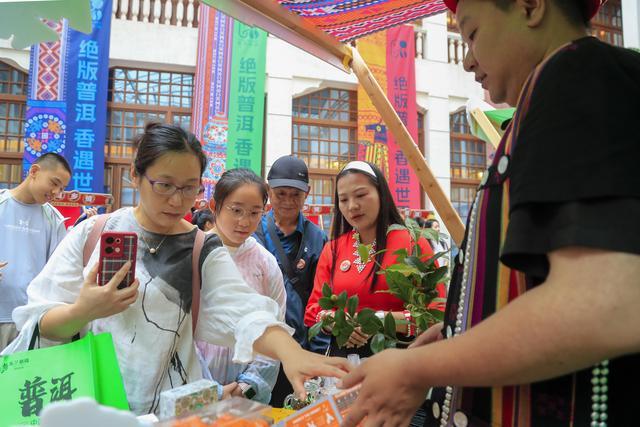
116,248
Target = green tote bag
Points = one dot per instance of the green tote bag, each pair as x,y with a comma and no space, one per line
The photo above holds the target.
87,367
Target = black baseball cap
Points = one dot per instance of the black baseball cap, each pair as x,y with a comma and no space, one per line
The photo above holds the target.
289,171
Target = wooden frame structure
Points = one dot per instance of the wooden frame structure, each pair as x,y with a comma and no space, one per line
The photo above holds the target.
286,25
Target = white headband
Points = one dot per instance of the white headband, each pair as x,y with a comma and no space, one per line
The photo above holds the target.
361,166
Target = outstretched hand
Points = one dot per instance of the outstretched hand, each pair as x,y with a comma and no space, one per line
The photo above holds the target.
433,334
390,393
303,365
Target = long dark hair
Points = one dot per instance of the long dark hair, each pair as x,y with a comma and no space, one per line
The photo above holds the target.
387,214
161,138
233,179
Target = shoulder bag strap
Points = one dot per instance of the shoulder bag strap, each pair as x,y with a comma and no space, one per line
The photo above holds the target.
195,278
93,237
282,256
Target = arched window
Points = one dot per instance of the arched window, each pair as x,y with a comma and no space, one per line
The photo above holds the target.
468,162
324,136
136,97
13,104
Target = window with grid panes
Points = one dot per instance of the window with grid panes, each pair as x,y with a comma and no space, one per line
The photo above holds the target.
321,193
10,173
468,163
137,97
468,153
324,136
324,129
13,101
607,24
462,196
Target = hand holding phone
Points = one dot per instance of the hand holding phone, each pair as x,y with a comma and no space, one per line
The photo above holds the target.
116,249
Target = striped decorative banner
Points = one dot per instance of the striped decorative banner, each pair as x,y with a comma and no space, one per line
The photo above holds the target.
210,115
347,20
228,105
391,57
67,99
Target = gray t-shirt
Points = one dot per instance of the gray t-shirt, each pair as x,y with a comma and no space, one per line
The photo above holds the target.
28,236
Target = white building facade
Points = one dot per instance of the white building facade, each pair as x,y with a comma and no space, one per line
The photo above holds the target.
153,59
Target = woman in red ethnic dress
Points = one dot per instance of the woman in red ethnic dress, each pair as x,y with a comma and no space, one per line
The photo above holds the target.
364,210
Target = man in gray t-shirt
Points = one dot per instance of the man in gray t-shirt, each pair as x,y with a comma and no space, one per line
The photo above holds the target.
30,230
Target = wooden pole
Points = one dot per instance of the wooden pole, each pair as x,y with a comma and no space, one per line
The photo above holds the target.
483,121
428,181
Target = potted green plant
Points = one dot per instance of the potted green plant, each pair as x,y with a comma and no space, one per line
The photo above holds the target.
412,278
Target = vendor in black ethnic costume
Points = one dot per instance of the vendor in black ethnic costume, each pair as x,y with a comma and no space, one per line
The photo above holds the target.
542,324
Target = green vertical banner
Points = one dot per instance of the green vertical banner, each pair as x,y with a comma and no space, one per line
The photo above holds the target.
246,98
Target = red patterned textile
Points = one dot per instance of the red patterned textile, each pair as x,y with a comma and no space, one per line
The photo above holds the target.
347,20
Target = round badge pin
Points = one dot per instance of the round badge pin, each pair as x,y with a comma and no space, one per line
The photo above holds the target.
301,264
345,265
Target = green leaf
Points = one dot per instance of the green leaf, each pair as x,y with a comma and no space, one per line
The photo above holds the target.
415,261
430,234
363,252
437,314
326,290
344,335
394,227
365,314
431,261
325,303
422,323
390,343
403,268
401,254
328,321
437,276
368,321
352,305
413,228
389,325
372,326
377,343
342,300
315,330
399,285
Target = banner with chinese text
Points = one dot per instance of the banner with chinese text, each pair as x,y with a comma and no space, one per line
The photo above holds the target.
401,91
390,56
67,99
246,103
229,94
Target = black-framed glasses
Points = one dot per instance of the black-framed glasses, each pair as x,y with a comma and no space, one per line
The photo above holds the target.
169,189
238,213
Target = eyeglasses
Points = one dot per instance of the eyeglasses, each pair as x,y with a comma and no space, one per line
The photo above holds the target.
238,213
168,189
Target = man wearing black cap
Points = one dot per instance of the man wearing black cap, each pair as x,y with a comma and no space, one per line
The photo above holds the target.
296,243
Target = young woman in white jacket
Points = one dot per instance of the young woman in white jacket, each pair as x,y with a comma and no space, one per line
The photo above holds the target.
240,197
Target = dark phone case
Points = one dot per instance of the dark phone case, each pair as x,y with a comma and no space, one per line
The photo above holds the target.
116,248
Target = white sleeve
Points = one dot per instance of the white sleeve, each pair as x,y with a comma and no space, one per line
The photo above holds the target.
60,280
275,285
232,314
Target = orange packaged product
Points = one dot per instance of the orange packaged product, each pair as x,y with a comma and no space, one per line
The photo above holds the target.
234,412
192,421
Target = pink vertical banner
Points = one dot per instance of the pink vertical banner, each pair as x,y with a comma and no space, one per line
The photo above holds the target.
401,91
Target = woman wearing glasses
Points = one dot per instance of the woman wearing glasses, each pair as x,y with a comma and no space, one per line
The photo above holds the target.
151,320
240,197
